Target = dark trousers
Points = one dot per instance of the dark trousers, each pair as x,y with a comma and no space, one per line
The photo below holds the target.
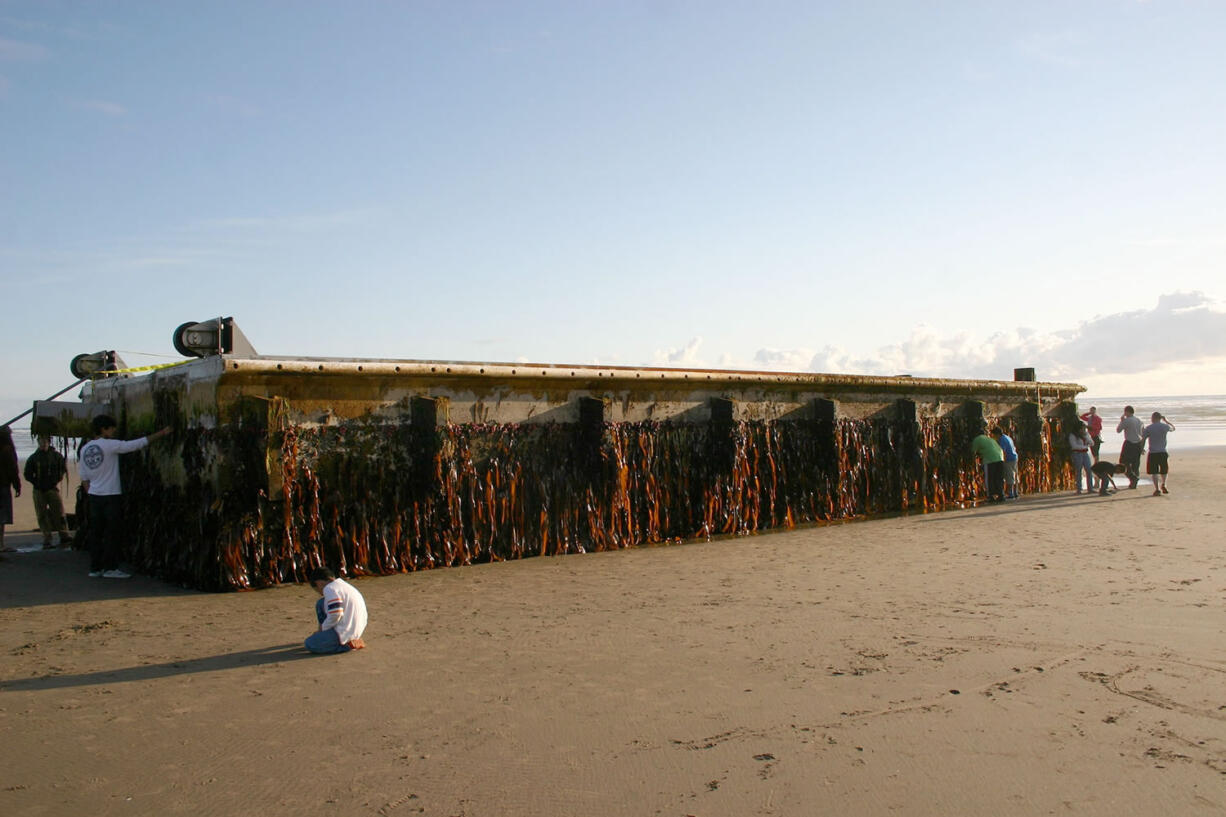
995,473
1130,458
105,532
324,642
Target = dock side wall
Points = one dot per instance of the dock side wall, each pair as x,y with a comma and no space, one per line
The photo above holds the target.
370,467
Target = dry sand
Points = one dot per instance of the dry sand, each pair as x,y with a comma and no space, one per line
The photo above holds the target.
1057,655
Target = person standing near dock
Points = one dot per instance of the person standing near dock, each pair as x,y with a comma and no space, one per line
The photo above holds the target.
993,459
1130,452
1157,464
10,478
100,474
1094,422
44,470
1010,465
1079,451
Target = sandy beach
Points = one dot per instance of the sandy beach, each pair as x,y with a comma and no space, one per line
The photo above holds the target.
1060,654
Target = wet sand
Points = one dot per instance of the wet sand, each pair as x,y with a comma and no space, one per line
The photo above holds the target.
1059,654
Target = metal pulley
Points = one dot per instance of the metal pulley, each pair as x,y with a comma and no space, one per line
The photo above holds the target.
96,364
219,336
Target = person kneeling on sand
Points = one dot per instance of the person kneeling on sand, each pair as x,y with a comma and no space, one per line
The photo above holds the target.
341,613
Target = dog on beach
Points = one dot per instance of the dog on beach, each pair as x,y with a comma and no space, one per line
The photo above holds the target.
1104,470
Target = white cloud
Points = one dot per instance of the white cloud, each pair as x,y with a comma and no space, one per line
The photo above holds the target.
1183,330
102,106
686,356
1176,347
1182,300
781,360
1206,376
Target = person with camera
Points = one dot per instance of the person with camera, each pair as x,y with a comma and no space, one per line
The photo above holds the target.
1157,464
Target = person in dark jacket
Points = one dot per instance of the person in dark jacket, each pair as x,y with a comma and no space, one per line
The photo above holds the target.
44,470
10,478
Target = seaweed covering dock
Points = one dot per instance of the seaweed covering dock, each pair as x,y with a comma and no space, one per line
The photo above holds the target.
278,465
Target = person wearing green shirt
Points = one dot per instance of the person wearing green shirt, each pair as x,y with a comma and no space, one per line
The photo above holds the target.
993,458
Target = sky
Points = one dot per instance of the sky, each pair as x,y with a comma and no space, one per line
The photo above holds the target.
931,188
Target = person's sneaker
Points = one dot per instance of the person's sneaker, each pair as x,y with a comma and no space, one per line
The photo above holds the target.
1157,492
93,574
1164,490
116,574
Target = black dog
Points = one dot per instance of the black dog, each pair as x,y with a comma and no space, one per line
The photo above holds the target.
1104,470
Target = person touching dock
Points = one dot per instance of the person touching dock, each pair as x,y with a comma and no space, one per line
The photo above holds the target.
99,470
993,459
1009,449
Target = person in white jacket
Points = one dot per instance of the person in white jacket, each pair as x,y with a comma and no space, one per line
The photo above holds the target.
98,461
341,612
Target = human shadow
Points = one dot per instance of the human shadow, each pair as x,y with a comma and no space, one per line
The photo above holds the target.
33,577
168,669
1031,503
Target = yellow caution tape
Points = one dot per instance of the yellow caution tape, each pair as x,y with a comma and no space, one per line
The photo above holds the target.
144,368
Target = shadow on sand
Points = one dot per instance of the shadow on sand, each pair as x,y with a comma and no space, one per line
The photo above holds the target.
150,672
31,576
1042,502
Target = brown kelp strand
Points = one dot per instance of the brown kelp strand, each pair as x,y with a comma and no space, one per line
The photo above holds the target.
243,506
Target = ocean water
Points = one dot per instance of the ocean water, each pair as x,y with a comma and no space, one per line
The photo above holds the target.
1200,420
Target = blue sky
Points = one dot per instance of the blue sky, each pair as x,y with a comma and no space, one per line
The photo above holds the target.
933,188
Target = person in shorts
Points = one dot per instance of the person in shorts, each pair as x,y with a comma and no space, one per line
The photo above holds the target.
1157,464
